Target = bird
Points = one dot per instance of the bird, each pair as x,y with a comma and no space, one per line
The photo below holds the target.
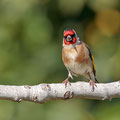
77,58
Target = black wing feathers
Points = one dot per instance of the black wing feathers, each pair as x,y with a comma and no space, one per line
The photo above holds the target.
92,59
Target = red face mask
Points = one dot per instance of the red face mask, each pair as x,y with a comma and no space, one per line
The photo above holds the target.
70,42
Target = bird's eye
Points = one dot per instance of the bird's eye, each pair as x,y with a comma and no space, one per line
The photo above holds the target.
65,37
73,35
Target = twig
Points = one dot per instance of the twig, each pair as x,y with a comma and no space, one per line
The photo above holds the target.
45,92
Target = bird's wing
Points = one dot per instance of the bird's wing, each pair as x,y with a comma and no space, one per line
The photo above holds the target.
92,59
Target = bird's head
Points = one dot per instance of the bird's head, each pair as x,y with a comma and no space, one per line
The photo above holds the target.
69,37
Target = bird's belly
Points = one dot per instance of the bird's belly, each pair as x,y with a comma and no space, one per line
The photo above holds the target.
78,69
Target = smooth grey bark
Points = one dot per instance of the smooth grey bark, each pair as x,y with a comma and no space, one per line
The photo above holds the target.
45,92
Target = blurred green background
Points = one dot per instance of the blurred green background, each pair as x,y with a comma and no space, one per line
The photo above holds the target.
31,34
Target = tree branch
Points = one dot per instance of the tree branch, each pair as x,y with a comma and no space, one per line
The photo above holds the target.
45,92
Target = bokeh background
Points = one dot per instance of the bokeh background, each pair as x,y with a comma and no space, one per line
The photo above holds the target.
31,34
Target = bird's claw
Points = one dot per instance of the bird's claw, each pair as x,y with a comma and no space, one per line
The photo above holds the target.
66,82
92,83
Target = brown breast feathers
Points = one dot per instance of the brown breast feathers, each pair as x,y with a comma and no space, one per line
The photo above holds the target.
82,53
66,52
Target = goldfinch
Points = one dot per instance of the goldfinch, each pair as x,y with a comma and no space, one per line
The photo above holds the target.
77,58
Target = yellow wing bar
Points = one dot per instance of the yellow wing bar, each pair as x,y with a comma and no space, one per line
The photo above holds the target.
93,63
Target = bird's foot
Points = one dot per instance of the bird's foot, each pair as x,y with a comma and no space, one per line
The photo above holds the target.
66,82
92,83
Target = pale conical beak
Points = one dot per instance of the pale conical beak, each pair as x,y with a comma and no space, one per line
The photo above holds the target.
69,38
